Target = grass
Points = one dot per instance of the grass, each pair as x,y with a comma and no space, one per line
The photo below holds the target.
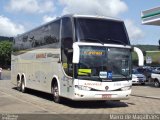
154,55
148,47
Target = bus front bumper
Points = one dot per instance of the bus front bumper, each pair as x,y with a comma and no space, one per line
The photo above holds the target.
101,95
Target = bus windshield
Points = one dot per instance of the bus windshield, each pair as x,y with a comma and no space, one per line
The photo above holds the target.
104,64
101,31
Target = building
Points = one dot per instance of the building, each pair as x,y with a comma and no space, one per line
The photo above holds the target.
151,16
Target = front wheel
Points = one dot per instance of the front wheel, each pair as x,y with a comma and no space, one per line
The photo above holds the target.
142,83
156,83
55,93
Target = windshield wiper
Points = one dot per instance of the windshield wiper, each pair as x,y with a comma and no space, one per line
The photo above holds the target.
93,39
126,76
115,40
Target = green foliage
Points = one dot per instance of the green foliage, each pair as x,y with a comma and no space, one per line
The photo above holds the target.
5,53
148,50
134,59
155,57
148,47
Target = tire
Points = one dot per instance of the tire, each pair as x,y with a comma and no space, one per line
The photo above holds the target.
156,83
55,93
19,85
142,83
23,88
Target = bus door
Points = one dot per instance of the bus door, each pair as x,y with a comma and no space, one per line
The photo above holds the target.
67,53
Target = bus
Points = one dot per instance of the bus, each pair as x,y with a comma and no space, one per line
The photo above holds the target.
79,57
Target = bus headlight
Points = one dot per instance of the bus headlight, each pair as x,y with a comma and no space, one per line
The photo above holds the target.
126,88
81,87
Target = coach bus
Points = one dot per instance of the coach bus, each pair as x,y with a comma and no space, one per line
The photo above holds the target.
79,57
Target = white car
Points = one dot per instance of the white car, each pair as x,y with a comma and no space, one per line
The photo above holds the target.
155,77
138,78
156,70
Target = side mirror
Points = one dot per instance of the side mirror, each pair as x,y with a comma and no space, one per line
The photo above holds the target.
140,56
76,53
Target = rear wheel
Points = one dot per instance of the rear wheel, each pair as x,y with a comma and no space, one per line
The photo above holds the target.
156,83
19,85
55,93
23,88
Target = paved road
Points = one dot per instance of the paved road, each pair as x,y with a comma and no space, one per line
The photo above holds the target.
144,100
148,91
13,101
6,75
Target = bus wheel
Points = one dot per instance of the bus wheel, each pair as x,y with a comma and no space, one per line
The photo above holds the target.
156,83
55,93
23,89
18,85
142,83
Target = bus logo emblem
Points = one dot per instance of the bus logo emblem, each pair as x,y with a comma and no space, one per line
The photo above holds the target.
106,88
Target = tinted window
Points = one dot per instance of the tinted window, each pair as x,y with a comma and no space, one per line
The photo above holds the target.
53,36
96,30
66,45
45,35
67,34
48,34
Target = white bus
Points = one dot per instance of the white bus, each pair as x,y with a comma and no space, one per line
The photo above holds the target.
76,57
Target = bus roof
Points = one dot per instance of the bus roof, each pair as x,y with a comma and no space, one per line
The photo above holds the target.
90,16
73,16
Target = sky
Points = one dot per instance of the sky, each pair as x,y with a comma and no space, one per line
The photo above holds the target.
19,16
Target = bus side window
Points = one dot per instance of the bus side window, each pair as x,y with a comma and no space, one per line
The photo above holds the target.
66,46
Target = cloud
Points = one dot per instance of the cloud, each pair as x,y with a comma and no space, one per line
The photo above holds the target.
8,28
111,8
48,18
135,33
94,7
31,6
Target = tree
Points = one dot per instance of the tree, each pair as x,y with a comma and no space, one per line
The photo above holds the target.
159,44
144,53
5,53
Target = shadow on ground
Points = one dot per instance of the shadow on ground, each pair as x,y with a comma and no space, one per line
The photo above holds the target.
78,104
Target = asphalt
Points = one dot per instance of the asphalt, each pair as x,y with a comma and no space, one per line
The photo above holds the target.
147,91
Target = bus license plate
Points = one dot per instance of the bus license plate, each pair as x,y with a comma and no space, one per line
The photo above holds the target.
106,96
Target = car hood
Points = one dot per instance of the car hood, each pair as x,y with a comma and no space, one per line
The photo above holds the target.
137,75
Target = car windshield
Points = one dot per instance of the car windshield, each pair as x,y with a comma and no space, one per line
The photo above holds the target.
101,31
134,71
101,63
